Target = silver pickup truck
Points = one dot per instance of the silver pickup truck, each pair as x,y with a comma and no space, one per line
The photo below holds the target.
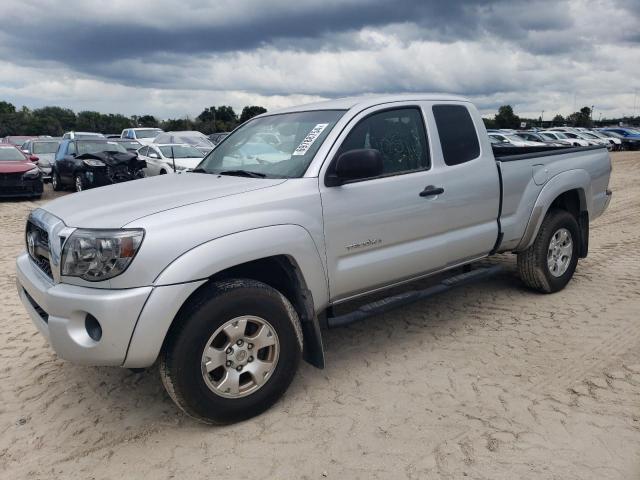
226,275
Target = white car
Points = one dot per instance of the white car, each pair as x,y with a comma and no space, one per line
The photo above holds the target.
160,158
575,140
515,140
143,135
594,138
615,142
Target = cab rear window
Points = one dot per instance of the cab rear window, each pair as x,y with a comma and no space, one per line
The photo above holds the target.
458,136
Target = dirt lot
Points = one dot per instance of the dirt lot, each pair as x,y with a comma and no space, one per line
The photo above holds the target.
489,381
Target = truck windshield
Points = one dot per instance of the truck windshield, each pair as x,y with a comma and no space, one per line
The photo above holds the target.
275,146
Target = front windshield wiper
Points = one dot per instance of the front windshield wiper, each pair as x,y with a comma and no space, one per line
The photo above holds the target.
199,170
242,173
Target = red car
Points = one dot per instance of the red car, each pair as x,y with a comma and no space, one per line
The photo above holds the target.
19,175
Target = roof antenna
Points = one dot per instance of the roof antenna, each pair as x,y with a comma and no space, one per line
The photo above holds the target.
173,157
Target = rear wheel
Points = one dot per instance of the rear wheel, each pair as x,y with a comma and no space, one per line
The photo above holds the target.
233,352
549,264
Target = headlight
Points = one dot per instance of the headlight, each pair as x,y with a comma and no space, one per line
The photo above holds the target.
33,173
93,163
97,255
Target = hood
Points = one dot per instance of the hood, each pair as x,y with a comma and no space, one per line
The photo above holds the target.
16,167
45,159
116,205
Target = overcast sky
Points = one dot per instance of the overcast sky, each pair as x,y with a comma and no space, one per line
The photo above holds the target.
173,58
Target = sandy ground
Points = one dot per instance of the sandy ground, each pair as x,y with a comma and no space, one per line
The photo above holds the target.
489,381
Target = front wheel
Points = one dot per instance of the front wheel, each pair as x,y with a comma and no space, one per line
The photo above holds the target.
232,352
548,264
79,183
55,181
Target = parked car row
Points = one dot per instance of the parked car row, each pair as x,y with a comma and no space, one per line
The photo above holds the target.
614,138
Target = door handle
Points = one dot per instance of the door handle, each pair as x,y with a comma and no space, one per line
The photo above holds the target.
431,190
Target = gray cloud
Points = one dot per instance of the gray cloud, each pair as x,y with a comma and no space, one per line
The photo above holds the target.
169,54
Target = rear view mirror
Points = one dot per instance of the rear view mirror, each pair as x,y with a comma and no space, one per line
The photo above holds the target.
355,165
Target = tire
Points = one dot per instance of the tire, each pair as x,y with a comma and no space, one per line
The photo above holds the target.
533,263
56,183
162,172
183,360
78,183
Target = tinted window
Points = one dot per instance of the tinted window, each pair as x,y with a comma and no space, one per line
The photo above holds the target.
71,148
399,135
144,151
457,134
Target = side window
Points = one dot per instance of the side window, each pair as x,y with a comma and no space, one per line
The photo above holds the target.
144,151
458,136
71,149
399,135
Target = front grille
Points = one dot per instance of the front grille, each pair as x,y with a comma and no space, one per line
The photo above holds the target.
10,177
43,315
40,250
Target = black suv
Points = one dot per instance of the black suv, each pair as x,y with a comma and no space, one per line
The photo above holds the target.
84,164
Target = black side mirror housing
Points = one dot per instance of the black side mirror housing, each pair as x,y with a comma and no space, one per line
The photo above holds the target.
355,165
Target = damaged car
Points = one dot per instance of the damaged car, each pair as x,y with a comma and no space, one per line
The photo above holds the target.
84,164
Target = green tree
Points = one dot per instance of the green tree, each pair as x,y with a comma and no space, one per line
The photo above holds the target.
173,124
250,112
558,120
148,121
505,118
581,118
489,122
6,107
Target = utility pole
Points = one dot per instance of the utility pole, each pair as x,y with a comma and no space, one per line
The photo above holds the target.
591,115
635,97
541,118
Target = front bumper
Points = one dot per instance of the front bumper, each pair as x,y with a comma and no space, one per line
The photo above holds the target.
20,187
60,311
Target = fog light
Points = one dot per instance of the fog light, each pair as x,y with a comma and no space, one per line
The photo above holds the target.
93,327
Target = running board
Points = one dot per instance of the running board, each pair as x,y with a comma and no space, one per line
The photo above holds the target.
384,305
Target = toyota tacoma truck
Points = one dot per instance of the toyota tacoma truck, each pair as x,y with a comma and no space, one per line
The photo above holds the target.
227,276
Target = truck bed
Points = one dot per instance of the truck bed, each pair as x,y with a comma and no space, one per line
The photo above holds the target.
524,175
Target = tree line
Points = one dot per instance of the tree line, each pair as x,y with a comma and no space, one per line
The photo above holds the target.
55,121
506,118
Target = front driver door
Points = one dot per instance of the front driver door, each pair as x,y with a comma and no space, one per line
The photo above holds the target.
380,230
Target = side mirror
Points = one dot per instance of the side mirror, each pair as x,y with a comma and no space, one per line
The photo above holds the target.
24,150
354,165
153,155
33,158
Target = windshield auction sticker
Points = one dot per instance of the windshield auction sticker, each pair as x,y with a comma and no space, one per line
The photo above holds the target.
309,139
